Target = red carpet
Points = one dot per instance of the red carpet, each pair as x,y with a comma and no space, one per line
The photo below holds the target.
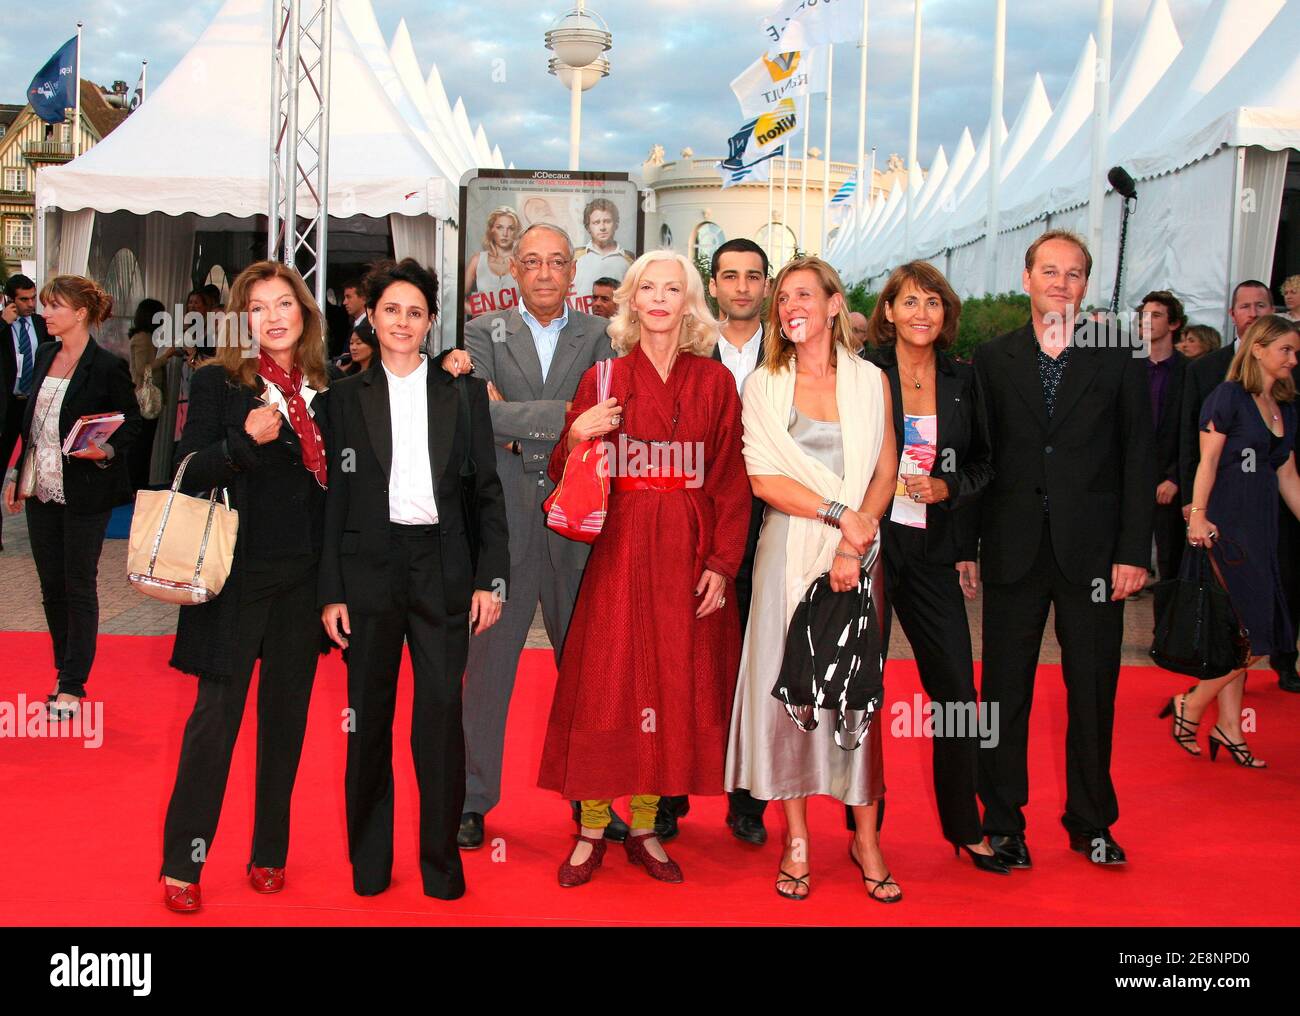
1210,844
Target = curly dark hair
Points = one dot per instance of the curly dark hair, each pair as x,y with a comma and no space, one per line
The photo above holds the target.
385,273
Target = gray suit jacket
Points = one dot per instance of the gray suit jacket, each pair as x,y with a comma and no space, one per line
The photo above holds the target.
533,414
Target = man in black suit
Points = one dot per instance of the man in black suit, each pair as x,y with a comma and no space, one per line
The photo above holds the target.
22,330
738,281
1066,523
1160,321
397,567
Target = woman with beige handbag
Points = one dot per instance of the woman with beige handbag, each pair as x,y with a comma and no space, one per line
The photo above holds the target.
69,498
252,431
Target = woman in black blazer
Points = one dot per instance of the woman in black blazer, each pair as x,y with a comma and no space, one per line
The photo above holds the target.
929,542
68,512
254,430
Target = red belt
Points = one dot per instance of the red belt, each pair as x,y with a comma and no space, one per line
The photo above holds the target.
624,484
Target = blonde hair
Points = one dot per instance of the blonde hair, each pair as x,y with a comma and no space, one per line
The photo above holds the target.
699,327
777,349
308,354
1265,330
493,215
1292,283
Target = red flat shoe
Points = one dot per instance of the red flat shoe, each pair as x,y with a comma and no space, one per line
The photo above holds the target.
266,880
664,871
183,899
580,874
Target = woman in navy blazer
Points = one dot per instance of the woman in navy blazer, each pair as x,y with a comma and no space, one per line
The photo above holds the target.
67,513
929,539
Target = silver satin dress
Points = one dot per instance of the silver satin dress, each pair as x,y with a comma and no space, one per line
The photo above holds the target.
766,753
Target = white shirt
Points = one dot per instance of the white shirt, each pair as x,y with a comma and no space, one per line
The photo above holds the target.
410,481
545,337
743,361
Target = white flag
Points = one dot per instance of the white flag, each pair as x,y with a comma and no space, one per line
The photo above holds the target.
802,24
769,79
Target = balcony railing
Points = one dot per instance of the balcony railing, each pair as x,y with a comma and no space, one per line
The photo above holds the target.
12,253
16,197
48,151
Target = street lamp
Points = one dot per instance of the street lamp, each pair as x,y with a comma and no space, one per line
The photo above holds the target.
578,39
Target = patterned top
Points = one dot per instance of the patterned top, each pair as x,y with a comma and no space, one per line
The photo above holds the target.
920,446
1050,372
49,445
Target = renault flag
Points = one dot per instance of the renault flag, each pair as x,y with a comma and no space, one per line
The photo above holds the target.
769,79
802,24
50,92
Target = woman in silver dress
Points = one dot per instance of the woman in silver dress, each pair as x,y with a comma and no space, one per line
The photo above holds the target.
820,451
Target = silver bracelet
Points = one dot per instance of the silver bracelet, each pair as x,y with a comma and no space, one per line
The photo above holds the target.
830,512
854,557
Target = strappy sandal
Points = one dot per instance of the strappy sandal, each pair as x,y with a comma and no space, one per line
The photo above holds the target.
797,881
876,884
1183,730
1240,753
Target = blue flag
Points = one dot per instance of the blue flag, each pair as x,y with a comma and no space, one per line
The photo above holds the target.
50,92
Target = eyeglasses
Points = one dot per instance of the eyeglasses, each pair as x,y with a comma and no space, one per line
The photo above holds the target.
533,264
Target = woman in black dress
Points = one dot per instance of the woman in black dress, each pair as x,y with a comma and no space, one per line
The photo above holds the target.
252,430
1248,432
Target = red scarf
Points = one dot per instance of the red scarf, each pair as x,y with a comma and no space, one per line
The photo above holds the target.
290,386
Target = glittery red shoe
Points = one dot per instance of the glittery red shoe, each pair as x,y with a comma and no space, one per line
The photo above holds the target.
266,880
580,874
183,899
664,871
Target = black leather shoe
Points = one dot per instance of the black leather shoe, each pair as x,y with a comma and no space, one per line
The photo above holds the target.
615,832
1011,850
470,834
748,828
1288,681
670,810
1099,847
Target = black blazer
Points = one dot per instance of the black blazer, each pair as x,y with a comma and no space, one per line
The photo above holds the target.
1095,460
964,461
281,507
9,358
1204,374
100,383
1169,426
354,563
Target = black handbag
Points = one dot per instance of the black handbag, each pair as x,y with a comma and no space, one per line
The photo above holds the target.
1198,632
835,655
468,476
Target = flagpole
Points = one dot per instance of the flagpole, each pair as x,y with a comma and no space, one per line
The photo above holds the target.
803,171
826,153
862,135
76,84
995,149
1100,135
771,197
144,80
785,202
912,127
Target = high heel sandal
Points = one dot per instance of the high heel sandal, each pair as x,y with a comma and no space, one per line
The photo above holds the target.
984,862
797,881
1240,753
876,884
1183,730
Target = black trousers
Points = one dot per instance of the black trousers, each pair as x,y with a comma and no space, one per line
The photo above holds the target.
278,622
1091,634
1288,552
65,548
1171,538
11,429
439,644
927,600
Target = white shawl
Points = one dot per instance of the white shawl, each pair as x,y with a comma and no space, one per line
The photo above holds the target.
771,451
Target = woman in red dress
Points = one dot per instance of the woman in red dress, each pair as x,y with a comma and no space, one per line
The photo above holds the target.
643,699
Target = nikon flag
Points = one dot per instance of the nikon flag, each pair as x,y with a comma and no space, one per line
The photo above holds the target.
769,79
51,91
763,137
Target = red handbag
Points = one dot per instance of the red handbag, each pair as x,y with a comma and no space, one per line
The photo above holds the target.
576,508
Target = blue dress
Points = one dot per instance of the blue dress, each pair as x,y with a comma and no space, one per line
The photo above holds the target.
1244,507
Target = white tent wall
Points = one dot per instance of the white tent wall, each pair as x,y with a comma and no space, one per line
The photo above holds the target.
167,255
74,241
1258,211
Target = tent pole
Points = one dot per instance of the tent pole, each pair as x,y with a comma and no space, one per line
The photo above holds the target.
1100,137
995,150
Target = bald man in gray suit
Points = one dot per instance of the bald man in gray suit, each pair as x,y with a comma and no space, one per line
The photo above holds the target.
532,357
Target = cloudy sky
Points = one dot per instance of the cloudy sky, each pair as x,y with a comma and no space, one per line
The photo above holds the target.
672,62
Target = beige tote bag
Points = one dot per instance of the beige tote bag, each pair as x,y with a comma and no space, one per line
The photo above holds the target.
181,547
